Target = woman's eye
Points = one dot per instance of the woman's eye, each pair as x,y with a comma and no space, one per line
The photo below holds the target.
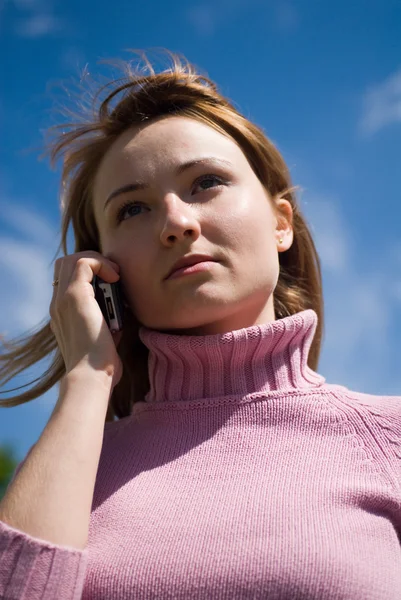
124,209
206,182
207,179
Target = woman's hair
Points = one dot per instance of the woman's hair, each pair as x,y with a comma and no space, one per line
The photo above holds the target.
133,99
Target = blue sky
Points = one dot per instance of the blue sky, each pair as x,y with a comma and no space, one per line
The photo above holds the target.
324,82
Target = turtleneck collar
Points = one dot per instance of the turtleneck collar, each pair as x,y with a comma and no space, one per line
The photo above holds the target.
256,359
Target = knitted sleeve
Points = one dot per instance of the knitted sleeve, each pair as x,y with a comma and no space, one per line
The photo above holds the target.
33,569
382,424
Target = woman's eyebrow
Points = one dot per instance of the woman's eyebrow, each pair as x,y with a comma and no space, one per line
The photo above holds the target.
139,185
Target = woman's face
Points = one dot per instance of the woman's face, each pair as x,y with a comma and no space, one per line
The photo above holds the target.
216,206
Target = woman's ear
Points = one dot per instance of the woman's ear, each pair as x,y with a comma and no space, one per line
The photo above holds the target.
284,229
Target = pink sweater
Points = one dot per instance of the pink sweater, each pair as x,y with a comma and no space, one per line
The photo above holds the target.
242,475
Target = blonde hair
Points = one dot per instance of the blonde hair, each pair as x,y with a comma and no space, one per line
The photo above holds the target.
133,99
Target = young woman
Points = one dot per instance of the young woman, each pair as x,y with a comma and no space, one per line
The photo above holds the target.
196,453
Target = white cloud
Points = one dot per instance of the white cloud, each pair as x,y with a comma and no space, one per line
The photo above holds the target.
25,298
331,236
26,269
207,17
35,18
26,273
381,105
287,17
29,223
38,26
397,291
35,5
203,18
73,59
361,306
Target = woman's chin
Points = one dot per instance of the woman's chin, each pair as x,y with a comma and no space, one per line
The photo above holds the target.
200,322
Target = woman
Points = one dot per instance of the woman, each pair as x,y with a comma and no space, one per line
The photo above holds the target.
233,470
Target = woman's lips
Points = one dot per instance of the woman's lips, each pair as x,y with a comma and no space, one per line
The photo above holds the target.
197,268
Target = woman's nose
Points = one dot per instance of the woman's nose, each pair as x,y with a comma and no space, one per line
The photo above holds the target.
179,218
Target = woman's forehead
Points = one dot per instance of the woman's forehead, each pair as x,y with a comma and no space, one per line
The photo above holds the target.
173,134
164,144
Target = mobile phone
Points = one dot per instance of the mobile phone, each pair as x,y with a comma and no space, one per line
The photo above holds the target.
109,296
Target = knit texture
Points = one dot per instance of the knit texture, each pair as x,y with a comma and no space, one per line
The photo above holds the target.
242,474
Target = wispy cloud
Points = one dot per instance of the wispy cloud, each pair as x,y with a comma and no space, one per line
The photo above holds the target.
28,242
381,105
331,236
39,26
25,265
34,5
73,59
28,223
361,305
207,17
34,19
203,18
287,18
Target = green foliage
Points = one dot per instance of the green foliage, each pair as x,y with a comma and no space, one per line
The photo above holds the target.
8,464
